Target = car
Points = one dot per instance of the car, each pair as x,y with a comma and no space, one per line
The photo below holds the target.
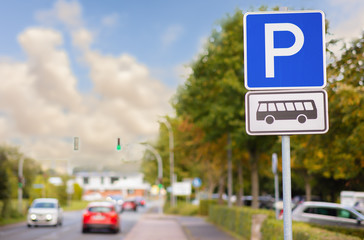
45,212
117,200
100,215
265,201
140,201
129,204
326,213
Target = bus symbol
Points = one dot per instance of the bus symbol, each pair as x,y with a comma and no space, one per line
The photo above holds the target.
269,111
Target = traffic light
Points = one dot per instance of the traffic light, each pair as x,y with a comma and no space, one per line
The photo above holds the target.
118,146
76,143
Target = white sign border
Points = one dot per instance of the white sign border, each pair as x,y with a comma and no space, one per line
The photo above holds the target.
288,132
246,50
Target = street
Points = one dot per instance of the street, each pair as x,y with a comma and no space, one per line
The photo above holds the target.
71,228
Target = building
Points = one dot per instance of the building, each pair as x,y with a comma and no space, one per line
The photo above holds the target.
98,185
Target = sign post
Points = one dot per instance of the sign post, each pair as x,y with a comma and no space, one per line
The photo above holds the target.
285,51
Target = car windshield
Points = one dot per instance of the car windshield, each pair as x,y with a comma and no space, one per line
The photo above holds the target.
100,209
44,205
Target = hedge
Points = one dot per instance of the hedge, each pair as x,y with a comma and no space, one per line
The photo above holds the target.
204,206
238,220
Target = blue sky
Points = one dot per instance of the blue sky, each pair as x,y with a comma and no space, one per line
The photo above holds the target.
104,69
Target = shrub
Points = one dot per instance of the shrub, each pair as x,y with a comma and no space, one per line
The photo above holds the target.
238,220
204,206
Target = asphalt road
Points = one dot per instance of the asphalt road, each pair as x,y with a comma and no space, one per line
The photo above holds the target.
71,228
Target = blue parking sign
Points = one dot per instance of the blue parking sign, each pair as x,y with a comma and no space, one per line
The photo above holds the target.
284,50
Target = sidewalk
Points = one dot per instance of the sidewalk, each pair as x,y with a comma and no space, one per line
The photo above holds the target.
156,227
165,227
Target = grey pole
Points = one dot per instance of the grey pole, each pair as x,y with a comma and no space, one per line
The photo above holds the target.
171,158
160,171
286,178
276,186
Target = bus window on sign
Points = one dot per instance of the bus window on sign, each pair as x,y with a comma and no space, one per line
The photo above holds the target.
300,110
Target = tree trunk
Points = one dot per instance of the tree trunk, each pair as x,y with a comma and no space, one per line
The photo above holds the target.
308,189
239,201
221,188
211,187
254,178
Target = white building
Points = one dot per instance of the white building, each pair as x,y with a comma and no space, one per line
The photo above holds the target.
98,185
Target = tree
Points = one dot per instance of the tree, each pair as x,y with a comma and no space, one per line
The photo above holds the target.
213,95
5,187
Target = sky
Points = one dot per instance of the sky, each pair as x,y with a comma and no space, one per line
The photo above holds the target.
100,70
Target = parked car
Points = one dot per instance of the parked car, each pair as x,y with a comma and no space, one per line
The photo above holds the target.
101,215
140,201
45,212
129,204
328,214
117,200
265,201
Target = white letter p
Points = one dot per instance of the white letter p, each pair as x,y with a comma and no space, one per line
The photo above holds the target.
271,52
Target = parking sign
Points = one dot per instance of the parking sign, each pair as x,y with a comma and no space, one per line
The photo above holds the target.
284,50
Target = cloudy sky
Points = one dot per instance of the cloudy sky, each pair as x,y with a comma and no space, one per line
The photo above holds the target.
101,70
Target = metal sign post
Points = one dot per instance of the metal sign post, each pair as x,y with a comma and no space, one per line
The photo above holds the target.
286,178
285,51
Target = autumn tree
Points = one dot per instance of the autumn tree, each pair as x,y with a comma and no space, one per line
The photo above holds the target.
213,95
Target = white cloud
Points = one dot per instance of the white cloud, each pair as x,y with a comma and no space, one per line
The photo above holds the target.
82,39
66,12
183,72
41,106
346,18
110,20
171,34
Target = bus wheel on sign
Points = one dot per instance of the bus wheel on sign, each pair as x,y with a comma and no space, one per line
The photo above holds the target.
301,118
269,119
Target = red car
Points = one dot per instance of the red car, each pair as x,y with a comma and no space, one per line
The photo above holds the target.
101,215
129,205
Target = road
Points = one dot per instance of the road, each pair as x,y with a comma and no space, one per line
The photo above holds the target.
71,228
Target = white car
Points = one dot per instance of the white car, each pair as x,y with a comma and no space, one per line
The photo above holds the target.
328,214
45,212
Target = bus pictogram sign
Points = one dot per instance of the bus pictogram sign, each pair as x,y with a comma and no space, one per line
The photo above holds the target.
286,113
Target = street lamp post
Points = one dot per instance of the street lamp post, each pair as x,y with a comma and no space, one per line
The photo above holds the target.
171,159
160,171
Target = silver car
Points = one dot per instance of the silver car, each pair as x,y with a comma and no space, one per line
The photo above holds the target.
328,214
45,211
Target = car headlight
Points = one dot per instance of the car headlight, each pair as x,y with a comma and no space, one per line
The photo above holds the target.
33,217
49,217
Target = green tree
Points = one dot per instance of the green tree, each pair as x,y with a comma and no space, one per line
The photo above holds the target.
5,187
213,95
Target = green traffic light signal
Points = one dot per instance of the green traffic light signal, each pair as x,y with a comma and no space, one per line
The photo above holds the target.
118,146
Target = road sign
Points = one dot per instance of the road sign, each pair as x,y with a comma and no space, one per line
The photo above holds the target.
182,188
286,112
196,182
284,50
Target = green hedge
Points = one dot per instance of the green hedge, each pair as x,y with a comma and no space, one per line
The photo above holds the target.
204,206
238,220
273,230
181,208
